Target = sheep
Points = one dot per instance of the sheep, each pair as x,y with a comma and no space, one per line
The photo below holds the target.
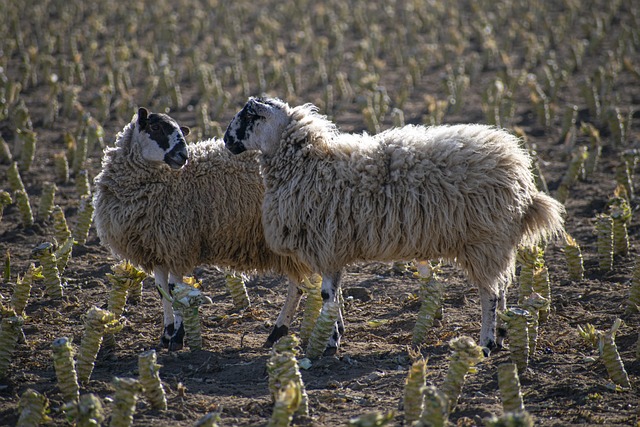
168,207
461,193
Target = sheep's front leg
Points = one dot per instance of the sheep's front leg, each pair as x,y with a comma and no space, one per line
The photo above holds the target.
489,301
173,333
501,332
281,328
331,293
176,342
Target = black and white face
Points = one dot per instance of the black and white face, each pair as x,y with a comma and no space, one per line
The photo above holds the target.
161,139
258,126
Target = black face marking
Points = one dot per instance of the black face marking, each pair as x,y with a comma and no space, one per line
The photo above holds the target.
160,127
238,129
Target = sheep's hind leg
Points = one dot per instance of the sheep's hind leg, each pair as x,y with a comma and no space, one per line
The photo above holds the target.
489,301
281,328
331,293
176,342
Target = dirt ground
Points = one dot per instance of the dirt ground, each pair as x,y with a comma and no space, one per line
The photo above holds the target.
565,384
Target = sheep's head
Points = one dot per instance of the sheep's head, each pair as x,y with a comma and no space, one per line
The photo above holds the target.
258,126
161,139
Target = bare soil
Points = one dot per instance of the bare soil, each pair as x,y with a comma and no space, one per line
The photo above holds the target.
565,383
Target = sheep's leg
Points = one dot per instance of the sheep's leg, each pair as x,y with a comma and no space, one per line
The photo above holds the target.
501,332
331,293
489,300
161,276
176,342
281,328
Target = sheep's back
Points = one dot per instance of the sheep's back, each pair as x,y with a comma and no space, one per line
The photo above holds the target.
208,212
411,192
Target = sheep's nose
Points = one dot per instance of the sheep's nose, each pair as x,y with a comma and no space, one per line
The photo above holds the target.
177,157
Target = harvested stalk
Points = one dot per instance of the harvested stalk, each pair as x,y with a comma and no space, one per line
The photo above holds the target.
209,420
576,171
436,408
15,181
61,166
33,409
97,323
542,286
128,280
282,368
83,188
313,306
611,357
286,404
22,289
186,300
28,139
530,258
413,388
235,285
63,253
620,213
604,234
432,295
62,232
46,201
85,217
5,200
65,369
510,419
372,419
323,329
124,402
517,321
534,303
633,304
509,385
22,200
150,379
573,255
10,332
47,257
87,412
466,354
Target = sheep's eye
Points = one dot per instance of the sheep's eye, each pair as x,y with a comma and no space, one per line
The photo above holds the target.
154,127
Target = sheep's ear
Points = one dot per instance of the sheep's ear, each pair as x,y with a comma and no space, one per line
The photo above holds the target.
259,108
143,116
185,130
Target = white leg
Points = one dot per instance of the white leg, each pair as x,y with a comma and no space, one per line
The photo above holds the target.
177,338
489,301
161,276
281,328
330,293
501,331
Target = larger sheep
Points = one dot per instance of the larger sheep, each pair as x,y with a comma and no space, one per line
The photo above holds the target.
462,193
168,207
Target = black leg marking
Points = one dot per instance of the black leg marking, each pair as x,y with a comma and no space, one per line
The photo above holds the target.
177,340
169,330
325,295
277,333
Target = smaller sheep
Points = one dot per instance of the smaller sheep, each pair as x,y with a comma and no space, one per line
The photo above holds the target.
168,207
461,193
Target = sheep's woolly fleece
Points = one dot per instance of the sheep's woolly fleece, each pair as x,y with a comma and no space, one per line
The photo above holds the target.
463,193
208,212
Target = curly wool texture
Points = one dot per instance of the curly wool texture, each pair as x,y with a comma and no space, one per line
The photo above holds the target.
208,212
463,193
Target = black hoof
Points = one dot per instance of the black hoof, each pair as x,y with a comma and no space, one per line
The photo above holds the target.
277,333
330,351
171,339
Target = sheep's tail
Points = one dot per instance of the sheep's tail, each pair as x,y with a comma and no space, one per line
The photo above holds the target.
543,220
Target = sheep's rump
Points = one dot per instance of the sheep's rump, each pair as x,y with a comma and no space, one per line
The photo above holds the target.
208,212
456,192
